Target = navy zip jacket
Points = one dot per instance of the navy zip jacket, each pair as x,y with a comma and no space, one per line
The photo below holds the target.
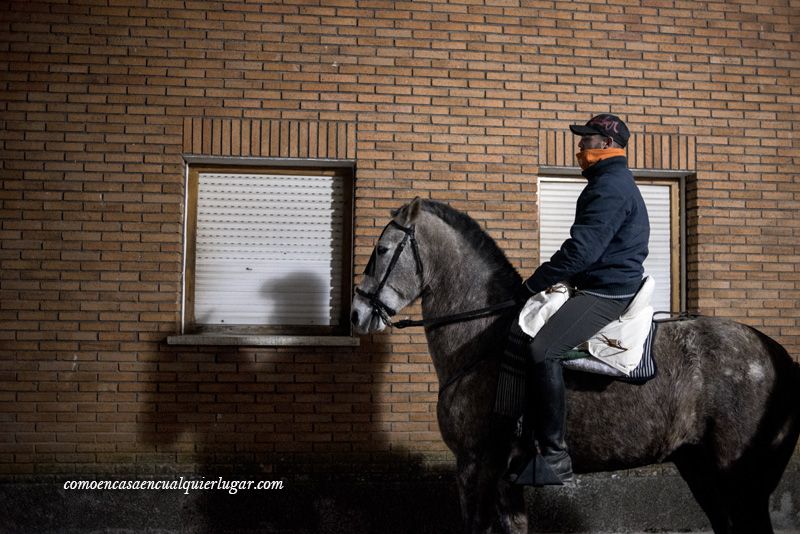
608,240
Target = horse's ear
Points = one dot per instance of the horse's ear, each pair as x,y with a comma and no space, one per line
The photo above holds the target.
407,215
413,211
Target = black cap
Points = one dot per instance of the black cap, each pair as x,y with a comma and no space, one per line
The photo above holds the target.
605,124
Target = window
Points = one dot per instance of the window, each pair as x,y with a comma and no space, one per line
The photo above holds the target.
557,198
268,250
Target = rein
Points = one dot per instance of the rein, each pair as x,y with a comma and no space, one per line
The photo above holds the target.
457,317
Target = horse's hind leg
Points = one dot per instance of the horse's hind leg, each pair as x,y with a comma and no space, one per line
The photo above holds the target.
706,486
736,500
750,513
749,485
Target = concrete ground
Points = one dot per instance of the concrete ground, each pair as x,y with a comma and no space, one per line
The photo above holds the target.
418,504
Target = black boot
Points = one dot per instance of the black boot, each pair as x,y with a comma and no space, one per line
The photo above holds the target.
551,417
545,418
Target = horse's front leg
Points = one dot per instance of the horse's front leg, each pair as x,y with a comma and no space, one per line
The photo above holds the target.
511,511
477,487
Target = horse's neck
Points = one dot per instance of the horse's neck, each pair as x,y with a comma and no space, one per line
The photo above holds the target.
459,280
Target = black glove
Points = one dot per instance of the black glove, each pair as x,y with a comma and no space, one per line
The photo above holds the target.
522,294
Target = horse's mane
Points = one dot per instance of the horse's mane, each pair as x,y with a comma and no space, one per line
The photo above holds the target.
480,240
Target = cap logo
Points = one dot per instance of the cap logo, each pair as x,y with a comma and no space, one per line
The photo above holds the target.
607,124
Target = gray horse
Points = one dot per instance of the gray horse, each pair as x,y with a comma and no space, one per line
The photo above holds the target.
724,406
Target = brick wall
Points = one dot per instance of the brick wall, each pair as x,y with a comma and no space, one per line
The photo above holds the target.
447,100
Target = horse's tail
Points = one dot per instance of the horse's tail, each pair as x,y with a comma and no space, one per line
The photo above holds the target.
780,356
780,426
784,364
787,371
796,381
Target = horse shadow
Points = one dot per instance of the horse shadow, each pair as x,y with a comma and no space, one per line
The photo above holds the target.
318,419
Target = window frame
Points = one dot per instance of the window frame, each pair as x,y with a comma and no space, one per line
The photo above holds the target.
192,333
676,181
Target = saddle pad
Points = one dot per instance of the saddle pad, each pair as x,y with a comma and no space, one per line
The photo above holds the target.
619,344
510,396
646,370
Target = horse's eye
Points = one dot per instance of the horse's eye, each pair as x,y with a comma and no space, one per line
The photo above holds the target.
382,250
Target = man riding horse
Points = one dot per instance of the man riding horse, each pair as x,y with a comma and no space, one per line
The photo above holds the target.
730,434
602,262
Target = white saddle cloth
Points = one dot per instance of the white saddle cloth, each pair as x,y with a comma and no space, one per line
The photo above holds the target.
619,345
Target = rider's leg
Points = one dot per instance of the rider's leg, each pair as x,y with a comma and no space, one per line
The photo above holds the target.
579,319
548,404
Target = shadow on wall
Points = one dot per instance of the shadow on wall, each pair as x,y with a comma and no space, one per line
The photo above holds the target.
317,418
299,299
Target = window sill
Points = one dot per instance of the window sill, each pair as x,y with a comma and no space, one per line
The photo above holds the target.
263,340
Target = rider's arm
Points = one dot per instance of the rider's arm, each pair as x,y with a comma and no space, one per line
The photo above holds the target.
599,214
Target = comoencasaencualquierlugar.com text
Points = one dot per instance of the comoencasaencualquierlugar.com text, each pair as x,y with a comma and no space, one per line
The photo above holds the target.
183,484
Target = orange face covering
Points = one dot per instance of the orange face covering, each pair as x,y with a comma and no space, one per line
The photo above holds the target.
587,158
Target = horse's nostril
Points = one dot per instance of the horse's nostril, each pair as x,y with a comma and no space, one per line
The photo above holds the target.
354,317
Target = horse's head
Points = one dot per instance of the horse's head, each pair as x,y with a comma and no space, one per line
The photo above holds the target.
393,276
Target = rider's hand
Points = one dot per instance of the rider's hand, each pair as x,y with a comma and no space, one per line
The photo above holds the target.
522,294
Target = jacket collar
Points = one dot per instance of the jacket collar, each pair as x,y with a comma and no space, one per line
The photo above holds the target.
604,166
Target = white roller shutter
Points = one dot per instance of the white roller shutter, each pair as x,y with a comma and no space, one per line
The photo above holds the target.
268,249
557,198
659,261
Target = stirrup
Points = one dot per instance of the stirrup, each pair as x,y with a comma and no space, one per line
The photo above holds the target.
538,472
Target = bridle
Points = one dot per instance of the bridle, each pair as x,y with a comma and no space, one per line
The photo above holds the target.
385,312
379,307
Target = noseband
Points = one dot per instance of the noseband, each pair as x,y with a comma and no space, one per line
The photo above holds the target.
378,306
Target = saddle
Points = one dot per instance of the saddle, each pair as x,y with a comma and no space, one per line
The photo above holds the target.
635,365
621,349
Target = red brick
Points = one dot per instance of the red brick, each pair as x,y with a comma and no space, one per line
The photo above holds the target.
443,99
